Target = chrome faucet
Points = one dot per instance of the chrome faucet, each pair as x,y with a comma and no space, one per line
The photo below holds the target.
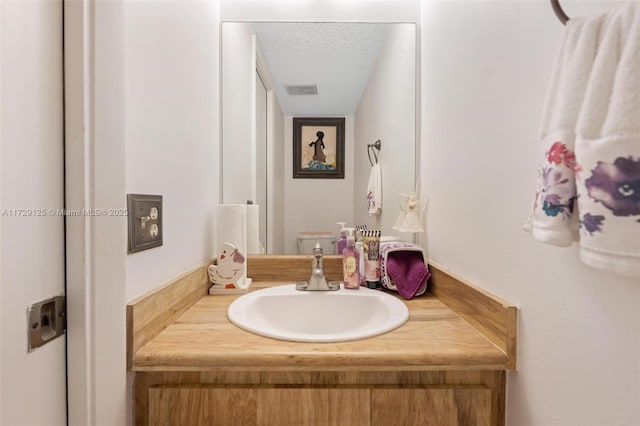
317,280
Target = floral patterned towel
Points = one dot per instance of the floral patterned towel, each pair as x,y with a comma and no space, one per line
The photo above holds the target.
589,178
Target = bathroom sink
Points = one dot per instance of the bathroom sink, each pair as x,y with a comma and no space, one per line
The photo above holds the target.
284,313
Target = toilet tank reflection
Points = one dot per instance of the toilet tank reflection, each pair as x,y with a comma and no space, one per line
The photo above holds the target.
307,241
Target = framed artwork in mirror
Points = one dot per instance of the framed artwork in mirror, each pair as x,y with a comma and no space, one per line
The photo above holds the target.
318,147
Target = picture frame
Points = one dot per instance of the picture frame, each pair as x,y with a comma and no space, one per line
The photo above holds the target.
318,147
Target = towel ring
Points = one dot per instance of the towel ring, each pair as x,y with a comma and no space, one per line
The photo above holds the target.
557,9
370,147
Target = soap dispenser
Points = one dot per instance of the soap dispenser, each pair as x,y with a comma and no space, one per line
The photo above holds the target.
342,239
350,262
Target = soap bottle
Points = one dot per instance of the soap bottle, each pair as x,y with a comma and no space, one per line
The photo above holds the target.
342,239
350,258
360,249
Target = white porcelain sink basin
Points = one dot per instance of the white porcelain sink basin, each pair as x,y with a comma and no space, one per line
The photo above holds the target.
285,313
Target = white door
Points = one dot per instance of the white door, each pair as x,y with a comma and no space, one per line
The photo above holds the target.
33,388
261,157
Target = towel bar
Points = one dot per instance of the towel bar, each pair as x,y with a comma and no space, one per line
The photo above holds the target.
557,9
377,145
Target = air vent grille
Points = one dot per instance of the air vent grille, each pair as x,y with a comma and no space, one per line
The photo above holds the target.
307,89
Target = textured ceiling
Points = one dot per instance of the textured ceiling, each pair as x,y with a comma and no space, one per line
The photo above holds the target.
337,57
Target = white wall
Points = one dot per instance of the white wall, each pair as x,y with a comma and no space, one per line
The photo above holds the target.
172,131
316,204
387,111
238,57
485,70
321,10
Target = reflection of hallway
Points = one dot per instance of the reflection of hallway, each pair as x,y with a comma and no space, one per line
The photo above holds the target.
373,86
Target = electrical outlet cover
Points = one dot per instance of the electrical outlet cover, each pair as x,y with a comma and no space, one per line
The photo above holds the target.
145,221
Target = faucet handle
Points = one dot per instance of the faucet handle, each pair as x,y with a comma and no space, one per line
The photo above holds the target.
333,285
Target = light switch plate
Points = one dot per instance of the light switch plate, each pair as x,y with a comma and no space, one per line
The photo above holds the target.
145,221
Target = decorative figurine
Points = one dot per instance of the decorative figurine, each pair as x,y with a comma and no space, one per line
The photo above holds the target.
410,218
228,272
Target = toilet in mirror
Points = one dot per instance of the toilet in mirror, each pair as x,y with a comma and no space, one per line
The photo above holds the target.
276,72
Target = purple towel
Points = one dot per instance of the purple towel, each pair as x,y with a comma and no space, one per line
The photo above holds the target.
407,271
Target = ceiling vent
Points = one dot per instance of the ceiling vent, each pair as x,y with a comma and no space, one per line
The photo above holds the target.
308,89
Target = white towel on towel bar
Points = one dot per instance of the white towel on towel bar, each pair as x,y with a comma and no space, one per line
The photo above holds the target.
374,191
589,178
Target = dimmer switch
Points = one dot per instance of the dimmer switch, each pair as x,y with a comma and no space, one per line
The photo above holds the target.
145,221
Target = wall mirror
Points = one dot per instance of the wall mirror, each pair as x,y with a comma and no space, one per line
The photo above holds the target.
273,72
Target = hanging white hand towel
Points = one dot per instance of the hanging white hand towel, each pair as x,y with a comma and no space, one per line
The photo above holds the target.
374,191
589,177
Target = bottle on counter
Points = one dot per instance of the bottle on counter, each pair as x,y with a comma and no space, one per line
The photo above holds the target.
350,260
342,238
360,249
372,258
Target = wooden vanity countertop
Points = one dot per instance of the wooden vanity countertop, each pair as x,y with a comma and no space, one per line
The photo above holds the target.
434,338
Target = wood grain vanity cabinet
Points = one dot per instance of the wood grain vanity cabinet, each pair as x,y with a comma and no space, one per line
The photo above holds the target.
455,406
200,406
197,406
276,406
363,404
446,366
